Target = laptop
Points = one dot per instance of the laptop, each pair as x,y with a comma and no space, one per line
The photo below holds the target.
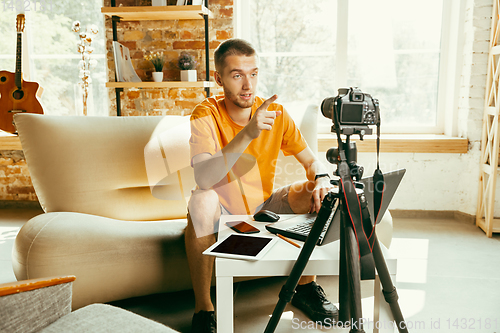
298,227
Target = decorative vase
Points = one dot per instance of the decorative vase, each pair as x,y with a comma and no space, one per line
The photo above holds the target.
84,100
189,75
157,76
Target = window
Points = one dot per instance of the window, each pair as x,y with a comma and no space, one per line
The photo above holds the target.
51,48
396,50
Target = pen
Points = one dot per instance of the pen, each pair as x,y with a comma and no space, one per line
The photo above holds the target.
288,240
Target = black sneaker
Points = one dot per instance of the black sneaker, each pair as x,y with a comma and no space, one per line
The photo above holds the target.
204,322
311,299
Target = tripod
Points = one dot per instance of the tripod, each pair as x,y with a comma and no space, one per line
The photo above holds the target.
350,269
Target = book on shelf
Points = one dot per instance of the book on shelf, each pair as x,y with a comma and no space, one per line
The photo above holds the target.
189,2
125,71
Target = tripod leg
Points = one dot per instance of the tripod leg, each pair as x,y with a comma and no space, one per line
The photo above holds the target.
344,312
288,289
383,322
354,281
388,288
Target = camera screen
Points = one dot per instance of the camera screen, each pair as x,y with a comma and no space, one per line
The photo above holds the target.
352,113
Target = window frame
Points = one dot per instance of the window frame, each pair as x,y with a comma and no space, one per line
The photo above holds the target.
449,72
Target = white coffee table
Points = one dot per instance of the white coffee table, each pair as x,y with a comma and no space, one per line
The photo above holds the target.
279,262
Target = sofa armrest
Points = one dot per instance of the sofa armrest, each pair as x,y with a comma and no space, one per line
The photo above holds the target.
30,305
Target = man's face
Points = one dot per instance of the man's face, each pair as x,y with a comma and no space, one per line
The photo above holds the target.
239,80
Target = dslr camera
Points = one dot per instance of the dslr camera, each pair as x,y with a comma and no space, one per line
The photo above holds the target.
352,110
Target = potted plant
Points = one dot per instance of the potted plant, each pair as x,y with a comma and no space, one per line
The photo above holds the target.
158,60
187,65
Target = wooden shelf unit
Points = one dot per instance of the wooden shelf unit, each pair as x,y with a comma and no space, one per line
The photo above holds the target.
145,13
155,13
164,84
488,169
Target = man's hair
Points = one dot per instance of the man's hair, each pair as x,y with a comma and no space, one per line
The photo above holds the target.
232,47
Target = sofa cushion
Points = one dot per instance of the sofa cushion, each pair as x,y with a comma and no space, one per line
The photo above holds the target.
93,165
31,311
167,160
97,318
111,259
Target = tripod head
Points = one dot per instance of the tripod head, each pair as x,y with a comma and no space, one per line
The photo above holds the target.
333,155
351,112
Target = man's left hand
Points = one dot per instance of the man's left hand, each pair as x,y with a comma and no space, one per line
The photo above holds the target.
321,189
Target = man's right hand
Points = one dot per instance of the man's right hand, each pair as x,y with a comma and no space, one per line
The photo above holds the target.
262,119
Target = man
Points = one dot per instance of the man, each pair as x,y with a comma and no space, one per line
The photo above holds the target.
235,140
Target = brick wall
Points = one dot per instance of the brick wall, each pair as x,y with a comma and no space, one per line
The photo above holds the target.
477,28
171,38
15,182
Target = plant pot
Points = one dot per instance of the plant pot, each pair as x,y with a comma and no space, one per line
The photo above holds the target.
189,75
157,76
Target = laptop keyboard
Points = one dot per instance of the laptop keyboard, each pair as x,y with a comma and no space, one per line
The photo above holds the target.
305,227
301,230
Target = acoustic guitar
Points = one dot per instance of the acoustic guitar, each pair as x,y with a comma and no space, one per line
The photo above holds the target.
16,95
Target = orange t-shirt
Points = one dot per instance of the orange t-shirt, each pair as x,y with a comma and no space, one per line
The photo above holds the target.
250,182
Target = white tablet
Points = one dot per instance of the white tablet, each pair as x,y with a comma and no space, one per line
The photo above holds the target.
238,246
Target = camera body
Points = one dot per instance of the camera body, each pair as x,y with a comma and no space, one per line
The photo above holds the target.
353,110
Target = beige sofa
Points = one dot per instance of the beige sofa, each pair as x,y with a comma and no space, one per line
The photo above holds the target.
114,192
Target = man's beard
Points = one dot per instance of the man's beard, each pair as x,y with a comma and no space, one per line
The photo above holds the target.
237,101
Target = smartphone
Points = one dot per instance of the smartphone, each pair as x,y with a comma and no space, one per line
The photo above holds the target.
242,227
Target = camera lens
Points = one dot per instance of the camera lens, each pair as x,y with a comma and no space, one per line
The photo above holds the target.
327,107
